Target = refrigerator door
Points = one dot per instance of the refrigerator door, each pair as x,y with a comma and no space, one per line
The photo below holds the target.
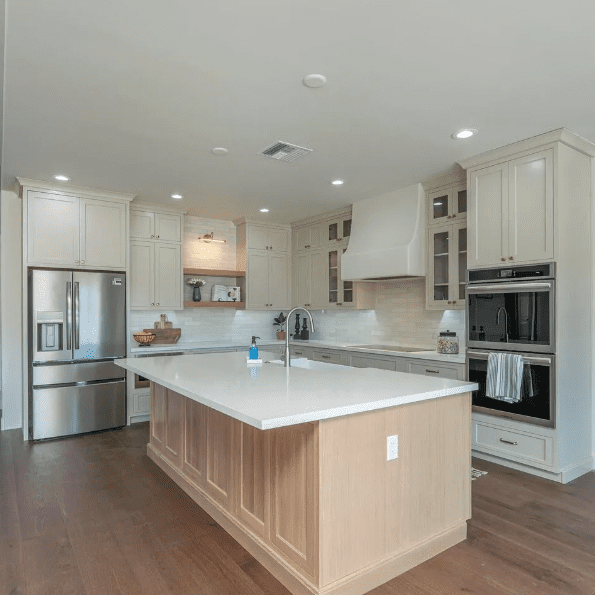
99,315
50,315
66,410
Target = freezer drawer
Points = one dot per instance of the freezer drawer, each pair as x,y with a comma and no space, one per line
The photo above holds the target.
77,409
79,372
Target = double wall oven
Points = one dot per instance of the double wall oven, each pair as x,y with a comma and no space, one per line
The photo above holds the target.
512,310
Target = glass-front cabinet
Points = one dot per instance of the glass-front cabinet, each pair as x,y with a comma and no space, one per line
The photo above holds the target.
338,230
447,266
447,204
340,293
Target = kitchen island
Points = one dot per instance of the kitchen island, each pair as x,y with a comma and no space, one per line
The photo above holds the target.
292,462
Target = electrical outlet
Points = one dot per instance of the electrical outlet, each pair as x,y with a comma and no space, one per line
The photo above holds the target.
392,448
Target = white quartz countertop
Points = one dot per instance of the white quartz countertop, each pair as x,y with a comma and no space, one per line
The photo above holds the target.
272,396
430,354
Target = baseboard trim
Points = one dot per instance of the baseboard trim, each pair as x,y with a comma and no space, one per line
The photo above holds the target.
563,476
357,583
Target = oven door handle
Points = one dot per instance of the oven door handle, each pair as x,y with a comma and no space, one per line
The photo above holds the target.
509,287
529,360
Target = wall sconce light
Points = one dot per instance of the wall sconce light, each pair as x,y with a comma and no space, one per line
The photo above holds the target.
208,237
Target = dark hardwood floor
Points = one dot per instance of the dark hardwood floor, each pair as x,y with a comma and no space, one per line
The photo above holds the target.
93,515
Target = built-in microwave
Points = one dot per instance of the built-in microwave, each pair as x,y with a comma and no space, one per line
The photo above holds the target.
511,308
537,406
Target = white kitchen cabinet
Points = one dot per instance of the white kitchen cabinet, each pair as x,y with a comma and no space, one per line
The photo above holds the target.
154,225
155,275
103,233
274,239
71,231
267,280
511,211
306,238
447,266
337,230
447,204
309,278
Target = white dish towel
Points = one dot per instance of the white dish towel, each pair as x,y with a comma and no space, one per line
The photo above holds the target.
504,377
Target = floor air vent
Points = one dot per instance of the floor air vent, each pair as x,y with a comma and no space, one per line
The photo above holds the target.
284,151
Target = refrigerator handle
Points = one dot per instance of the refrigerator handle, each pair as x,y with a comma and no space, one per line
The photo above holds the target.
76,315
68,315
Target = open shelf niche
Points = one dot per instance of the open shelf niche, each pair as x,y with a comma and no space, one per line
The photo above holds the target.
238,280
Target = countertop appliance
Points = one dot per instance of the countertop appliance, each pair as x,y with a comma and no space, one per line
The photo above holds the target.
511,309
77,328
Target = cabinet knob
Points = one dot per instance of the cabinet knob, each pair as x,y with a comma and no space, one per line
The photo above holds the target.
76,261
158,237
152,236
339,239
503,259
511,258
455,302
339,303
449,301
82,262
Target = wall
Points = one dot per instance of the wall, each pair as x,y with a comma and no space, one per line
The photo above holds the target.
10,270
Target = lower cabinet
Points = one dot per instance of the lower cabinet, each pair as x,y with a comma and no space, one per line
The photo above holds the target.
331,357
380,363
429,368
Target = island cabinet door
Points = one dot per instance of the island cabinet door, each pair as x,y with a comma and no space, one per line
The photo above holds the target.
174,428
253,478
195,456
158,396
294,495
219,451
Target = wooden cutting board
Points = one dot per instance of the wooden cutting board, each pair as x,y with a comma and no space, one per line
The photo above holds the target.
165,336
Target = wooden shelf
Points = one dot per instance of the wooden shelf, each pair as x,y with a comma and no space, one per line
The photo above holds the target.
237,305
214,273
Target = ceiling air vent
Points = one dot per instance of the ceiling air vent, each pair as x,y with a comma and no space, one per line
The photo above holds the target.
284,151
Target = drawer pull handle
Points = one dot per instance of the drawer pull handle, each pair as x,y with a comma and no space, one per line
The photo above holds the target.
433,371
509,442
326,357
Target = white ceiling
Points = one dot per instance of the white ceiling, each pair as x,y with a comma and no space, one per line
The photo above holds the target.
131,95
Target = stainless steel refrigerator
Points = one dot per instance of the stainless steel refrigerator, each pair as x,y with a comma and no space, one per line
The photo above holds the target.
77,328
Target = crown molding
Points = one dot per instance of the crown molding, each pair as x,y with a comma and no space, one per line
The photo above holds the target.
68,189
243,220
562,135
139,205
322,216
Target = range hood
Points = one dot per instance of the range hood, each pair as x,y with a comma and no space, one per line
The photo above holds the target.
388,239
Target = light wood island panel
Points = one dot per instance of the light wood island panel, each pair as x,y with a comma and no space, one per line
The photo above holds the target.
317,503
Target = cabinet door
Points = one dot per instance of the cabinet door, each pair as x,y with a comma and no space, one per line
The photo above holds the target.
52,229
302,239
458,279
103,233
219,448
438,207
195,455
168,228
319,291
257,274
439,269
278,239
168,276
157,424
142,274
531,208
458,202
258,238
303,279
487,216
294,494
279,281
142,225
174,428
253,480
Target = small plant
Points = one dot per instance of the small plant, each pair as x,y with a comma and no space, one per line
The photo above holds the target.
280,321
196,282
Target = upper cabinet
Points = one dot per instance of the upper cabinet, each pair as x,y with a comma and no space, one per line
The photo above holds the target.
264,252
337,230
511,211
156,267
447,204
72,227
149,225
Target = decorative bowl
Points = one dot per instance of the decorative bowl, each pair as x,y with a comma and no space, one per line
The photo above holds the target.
143,338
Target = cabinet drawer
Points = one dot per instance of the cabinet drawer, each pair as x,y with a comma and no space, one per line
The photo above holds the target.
328,357
512,444
373,362
301,352
429,369
141,402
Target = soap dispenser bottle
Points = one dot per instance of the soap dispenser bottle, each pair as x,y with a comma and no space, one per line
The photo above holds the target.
254,349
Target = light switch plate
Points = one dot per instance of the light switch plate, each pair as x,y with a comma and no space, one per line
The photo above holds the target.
392,448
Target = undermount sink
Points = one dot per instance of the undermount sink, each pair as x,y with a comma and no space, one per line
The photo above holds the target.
392,348
300,362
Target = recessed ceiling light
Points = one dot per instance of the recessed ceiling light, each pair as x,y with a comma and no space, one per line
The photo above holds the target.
219,151
464,133
264,210
177,196
337,182
62,178
314,81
